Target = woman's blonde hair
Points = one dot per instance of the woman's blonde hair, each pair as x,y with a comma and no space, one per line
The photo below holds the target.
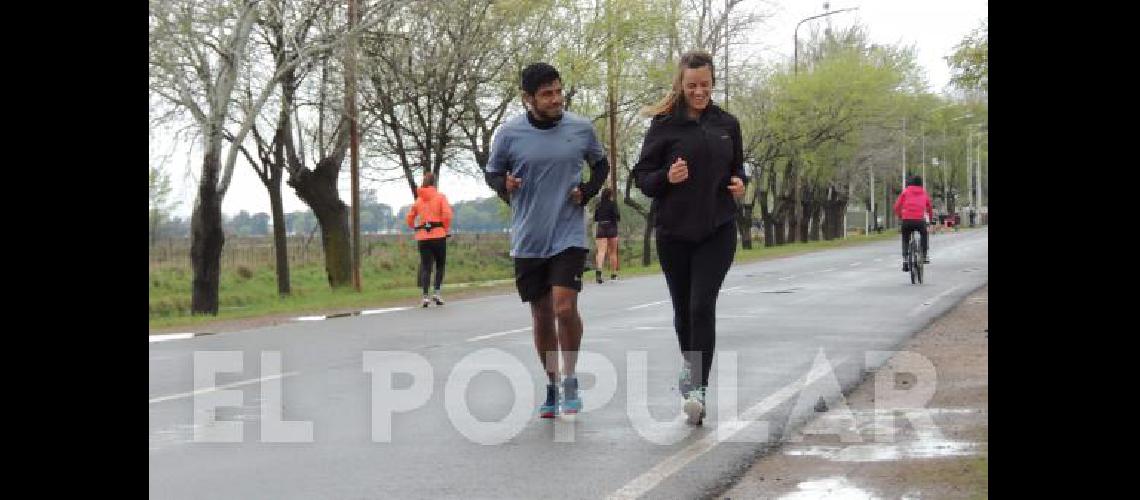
692,59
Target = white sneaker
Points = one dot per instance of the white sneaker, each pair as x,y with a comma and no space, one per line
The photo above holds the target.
438,300
695,406
426,302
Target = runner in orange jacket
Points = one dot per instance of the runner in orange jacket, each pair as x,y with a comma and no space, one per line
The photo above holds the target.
434,223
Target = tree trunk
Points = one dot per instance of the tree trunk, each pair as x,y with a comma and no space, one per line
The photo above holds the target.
766,216
318,190
812,203
828,229
280,246
886,206
841,214
833,221
275,167
769,234
744,225
645,246
805,207
783,222
788,215
206,236
816,222
153,227
795,214
769,215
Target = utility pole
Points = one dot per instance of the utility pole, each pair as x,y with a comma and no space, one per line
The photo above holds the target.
904,154
969,165
350,96
978,182
923,128
874,216
611,80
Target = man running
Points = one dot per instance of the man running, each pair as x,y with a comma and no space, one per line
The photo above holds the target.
536,167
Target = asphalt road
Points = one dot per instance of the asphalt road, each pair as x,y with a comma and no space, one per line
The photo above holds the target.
470,427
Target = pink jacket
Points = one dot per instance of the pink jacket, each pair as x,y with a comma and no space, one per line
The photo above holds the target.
913,203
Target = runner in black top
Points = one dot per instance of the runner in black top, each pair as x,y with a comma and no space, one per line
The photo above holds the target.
606,234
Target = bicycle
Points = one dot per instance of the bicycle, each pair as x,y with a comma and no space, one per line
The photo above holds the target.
914,262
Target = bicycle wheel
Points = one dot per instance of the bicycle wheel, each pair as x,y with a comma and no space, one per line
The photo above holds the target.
912,260
918,262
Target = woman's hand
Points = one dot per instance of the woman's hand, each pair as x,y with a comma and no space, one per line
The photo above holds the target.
736,187
678,171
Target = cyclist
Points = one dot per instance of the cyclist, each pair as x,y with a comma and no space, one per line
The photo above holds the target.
911,207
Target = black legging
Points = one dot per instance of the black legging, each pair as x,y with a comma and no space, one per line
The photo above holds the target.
914,225
694,272
432,251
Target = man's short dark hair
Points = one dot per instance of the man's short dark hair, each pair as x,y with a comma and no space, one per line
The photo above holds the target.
915,180
536,75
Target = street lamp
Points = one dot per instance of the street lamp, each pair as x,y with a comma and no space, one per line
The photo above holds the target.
903,188
945,199
923,136
969,137
978,173
796,35
975,144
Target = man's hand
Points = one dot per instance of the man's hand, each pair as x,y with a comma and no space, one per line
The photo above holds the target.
576,195
513,183
736,187
678,171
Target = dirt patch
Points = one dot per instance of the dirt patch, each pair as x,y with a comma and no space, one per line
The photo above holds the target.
870,452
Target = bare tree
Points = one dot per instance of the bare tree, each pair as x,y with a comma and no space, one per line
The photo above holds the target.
440,87
198,53
328,137
160,202
521,39
269,161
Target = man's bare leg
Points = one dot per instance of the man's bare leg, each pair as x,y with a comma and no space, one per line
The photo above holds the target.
569,326
545,336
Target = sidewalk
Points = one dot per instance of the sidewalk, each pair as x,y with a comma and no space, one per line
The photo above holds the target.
943,457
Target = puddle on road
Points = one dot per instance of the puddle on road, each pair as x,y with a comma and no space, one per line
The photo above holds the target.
907,442
888,452
183,433
832,488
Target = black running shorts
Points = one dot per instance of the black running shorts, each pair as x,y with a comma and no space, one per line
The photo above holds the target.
606,229
535,276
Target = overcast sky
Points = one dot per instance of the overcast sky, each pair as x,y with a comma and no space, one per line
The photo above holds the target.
934,27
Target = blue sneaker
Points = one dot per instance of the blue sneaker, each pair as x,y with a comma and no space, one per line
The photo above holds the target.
549,409
685,381
571,402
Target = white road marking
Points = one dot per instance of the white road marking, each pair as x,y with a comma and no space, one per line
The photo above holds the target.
220,387
497,334
642,306
172,336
